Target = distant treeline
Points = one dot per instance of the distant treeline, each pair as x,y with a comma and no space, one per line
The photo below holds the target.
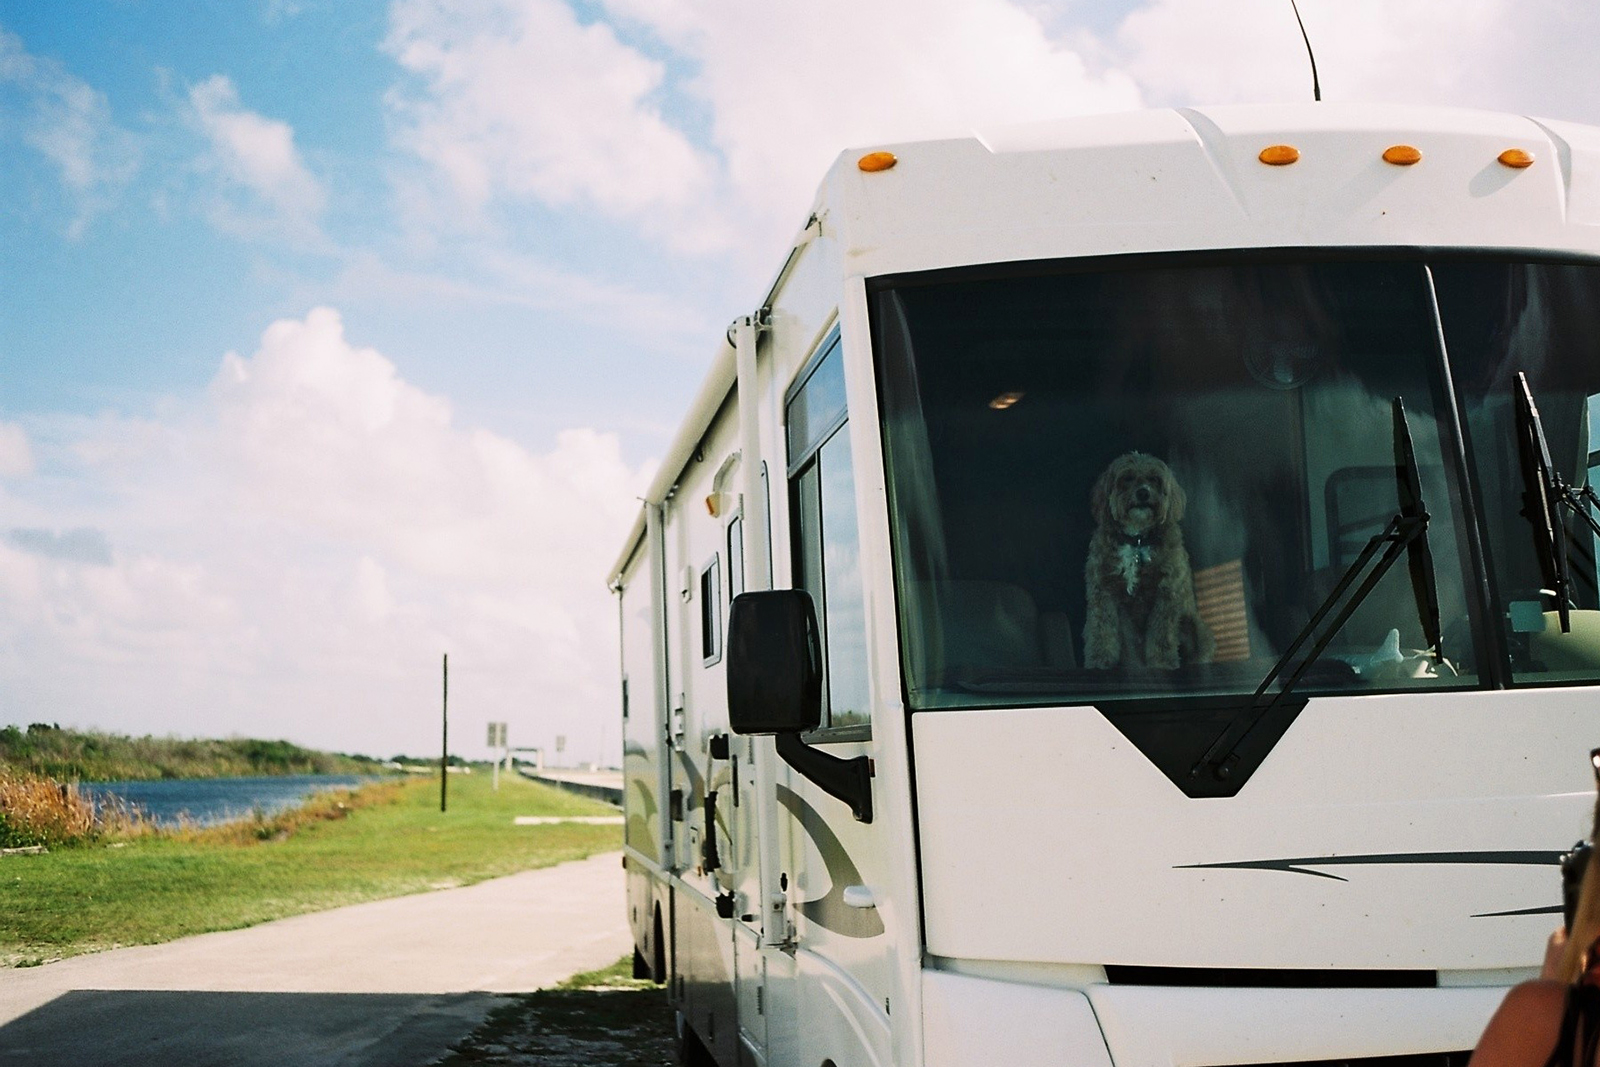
92,756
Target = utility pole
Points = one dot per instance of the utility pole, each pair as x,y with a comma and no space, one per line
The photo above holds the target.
444,755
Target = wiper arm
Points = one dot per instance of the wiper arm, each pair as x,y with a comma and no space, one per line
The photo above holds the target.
1406,532
1419,553
1544,494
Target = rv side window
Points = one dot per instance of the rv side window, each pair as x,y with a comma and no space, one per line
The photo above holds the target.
827,556
711,613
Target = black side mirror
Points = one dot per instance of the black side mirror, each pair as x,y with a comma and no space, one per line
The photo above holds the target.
774,668
773,663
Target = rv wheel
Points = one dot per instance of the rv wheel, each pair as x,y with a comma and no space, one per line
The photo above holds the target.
692,1052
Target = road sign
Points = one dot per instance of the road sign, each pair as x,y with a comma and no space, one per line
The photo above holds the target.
497,735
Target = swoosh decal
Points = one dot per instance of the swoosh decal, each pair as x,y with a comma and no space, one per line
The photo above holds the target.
697,784
830,911
1303,864
646,798
1554,909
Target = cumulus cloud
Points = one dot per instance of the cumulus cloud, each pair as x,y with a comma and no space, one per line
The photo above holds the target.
82,545
16,454
266,180
69,123
522,99
790,86
1476,53
1250,51
337,530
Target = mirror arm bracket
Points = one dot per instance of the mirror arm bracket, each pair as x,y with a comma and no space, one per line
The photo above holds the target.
849,780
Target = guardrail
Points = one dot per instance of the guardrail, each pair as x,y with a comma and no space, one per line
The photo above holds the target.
601,786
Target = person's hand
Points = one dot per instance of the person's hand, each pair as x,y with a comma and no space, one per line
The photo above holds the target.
1554,949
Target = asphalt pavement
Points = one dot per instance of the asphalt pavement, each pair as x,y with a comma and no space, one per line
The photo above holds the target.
392,983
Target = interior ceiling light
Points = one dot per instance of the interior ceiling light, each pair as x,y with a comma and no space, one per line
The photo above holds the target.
1005,400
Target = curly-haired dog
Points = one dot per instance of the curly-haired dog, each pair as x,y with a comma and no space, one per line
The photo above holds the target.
1141,610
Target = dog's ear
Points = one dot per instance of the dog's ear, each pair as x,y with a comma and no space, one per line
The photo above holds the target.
1099,497
1177,499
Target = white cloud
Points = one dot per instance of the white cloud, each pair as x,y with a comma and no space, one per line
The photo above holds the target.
16,454
790,86
1476,53
522,100
519,99
489,276
292,557
255,156
69,123
274,12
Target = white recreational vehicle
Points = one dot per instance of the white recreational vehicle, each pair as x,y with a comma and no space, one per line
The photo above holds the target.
945,746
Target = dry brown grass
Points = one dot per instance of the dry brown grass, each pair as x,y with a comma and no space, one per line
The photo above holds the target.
35,810
39,811
330,806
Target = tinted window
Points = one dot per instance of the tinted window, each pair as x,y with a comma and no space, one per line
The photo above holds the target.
827,553
1252,406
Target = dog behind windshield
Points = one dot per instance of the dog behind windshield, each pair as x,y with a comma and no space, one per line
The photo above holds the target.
1140,591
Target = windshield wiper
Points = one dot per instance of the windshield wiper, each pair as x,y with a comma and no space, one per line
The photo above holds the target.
1407,532
1544,494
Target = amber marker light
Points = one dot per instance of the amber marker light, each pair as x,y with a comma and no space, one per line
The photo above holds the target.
1402,155
1516,158
1005,400
1279,155
876,161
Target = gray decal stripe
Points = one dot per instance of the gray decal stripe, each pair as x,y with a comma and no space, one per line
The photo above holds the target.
697,784
1301,865
646,798
1554,909
831,911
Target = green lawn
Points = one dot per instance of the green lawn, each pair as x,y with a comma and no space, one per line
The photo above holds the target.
154,889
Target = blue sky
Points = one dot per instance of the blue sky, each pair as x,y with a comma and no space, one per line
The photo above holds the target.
336,334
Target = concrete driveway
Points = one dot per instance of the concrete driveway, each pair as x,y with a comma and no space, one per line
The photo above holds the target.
393,983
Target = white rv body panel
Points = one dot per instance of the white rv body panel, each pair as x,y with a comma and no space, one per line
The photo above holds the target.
1132,847
1153,1025
1019,855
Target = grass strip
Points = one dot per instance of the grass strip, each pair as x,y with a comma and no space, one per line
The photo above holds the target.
604,1018
391,840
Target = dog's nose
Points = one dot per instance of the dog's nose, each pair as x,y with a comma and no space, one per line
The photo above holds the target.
1142,494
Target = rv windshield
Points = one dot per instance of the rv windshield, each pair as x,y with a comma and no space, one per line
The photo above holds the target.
1141,480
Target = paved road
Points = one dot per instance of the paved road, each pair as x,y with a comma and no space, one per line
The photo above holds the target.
392,983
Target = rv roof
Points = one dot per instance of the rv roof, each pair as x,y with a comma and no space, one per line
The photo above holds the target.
1194,179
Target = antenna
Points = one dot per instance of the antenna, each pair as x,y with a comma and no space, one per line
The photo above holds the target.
1316,86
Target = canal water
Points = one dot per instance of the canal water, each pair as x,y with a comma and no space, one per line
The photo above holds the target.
205,801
